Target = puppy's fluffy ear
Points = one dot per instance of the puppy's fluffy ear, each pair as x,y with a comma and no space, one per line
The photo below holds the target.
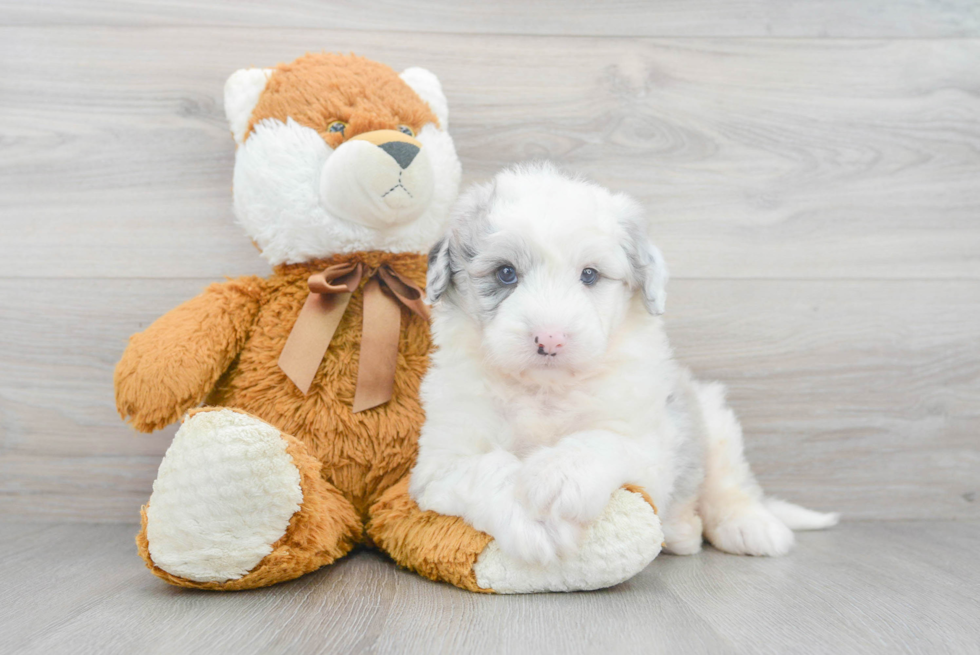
646,261
654,279
440,274
468,223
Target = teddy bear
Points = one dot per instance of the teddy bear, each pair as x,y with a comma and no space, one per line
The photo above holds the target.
298,392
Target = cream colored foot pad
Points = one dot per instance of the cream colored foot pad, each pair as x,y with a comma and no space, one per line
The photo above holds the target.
620,544
224,494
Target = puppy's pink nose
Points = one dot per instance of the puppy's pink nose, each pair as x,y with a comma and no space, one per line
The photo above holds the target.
549,342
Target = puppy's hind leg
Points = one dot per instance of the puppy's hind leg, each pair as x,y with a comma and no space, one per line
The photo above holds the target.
731,505
682,528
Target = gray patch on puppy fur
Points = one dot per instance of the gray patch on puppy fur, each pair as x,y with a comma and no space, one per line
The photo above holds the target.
494,251
463,266
489,294
447,257
484,252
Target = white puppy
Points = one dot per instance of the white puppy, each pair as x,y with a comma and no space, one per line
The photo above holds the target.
553,383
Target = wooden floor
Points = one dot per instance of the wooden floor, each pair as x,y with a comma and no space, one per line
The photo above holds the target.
881,587
812,170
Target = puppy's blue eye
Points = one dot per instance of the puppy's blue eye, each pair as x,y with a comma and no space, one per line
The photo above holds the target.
337,126
506,275
589,276
405,129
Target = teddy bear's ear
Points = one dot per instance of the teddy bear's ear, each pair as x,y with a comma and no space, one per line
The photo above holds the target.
427,86
242,91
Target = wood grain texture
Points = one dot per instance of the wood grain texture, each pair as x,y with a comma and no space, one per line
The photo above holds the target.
673,18
855,396
757,158
817,197
878,587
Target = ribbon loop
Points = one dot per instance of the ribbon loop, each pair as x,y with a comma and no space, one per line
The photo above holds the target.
330,293
342,278
406,293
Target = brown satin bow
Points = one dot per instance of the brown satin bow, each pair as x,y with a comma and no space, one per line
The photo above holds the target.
330,292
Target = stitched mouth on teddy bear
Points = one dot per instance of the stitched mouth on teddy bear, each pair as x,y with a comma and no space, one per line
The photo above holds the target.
379,179
398,195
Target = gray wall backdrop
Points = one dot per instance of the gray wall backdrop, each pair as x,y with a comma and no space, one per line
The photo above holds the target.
812,170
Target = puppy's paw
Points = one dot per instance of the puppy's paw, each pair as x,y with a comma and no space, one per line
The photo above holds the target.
563,485
755,532
618,545
683,534
565,535
525,538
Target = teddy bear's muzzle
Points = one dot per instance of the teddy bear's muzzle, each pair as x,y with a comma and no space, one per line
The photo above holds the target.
403,153
378,179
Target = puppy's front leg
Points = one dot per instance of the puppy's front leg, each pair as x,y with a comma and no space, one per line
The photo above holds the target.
480,488
574,479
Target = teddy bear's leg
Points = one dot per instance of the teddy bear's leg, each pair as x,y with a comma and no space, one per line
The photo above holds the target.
433,545
618,545
238,504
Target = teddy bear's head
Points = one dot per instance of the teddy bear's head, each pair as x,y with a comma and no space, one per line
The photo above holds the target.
339,154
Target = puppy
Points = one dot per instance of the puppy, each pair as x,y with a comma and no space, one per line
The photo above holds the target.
553,383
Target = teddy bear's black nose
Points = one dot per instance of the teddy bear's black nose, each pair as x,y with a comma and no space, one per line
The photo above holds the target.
401,152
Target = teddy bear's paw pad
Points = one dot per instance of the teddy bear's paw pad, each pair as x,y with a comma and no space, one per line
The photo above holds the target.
619,544
225,493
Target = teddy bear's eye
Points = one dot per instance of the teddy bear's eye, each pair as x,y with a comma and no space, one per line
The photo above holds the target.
405,129
337,126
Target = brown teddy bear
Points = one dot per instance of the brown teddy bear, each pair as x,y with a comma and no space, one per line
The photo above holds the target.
344,175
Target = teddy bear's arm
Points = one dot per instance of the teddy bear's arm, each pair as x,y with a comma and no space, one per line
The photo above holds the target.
171,366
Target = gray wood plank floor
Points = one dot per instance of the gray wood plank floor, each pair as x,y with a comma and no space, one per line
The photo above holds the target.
876,587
